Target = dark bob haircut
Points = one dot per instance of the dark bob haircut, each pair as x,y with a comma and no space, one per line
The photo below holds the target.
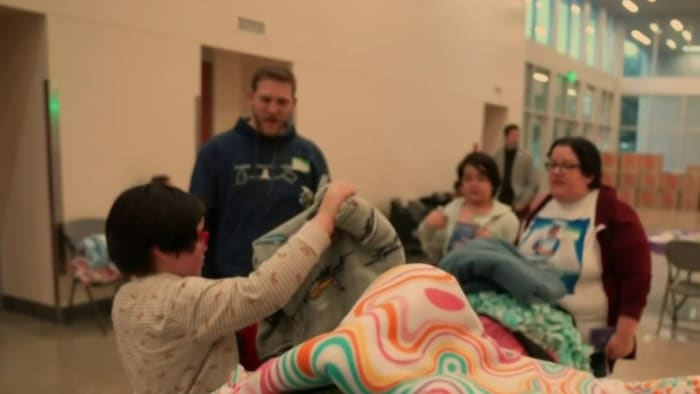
485,165
151,216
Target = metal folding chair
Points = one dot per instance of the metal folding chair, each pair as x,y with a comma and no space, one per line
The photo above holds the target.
683,260
73,232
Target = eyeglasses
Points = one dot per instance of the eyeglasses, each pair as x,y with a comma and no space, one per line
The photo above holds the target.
550,166
203,237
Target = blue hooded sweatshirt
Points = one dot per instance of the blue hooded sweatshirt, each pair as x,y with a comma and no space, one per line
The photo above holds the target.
251,184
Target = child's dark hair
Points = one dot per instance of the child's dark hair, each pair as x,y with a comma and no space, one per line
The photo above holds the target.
148,216
485,165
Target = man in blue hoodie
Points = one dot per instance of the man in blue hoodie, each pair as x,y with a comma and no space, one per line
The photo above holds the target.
255,176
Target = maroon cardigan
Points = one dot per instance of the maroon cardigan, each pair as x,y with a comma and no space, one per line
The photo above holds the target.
625,255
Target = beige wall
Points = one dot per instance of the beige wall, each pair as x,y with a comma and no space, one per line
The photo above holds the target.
127,109
389,90
25,225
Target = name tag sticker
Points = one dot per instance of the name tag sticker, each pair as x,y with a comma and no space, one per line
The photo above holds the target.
301,165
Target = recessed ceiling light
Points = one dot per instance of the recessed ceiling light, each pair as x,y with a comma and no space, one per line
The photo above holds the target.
686,34
655,28
575,9
571,92
641,37
676,25
671,44
630,6
652,1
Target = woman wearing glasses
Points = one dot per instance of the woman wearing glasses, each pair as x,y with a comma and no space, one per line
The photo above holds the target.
600,251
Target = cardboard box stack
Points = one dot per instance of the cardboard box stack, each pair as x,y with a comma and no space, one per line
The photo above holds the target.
640,181
610,166
690,189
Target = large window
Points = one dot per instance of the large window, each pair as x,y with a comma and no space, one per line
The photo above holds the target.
569,27
587,109
566,102
584,30
666,125
610,46
592,32
534,136
629,119
663,47
539,21
560,105
537,88
637,59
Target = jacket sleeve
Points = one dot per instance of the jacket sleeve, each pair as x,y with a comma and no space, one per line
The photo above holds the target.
630,259
319,165
533,182
510,227
210,309
431,241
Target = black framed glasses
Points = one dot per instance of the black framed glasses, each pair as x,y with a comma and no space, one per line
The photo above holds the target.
550,166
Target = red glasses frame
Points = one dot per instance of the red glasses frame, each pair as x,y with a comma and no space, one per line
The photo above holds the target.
203,237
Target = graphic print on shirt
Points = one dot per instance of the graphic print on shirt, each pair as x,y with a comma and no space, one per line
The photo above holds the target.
462,233
245,173
557,245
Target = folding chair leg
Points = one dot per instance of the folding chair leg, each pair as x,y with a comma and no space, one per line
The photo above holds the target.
96,309
662,314
69,313
674,316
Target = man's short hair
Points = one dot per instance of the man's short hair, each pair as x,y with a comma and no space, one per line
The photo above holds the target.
509,128
275,73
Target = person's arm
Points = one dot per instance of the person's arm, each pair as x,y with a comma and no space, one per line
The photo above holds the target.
431,236
632,269
510,227
210,309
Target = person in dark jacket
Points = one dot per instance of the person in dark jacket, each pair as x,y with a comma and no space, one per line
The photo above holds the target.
255,177
603,254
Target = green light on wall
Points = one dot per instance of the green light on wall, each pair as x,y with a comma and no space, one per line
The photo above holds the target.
571,76
54,106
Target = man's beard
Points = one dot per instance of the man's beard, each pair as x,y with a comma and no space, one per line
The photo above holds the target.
258,125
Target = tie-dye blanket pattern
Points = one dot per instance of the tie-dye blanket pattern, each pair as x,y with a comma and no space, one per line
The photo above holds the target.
413,331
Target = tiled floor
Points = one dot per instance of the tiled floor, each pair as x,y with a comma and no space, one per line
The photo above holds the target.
40,357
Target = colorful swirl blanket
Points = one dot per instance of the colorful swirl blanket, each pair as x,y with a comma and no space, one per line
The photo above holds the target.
414,331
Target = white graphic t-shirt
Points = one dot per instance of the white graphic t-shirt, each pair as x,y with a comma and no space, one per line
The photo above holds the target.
562,238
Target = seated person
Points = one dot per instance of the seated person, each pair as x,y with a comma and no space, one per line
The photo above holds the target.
476,213
175,330
595,242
